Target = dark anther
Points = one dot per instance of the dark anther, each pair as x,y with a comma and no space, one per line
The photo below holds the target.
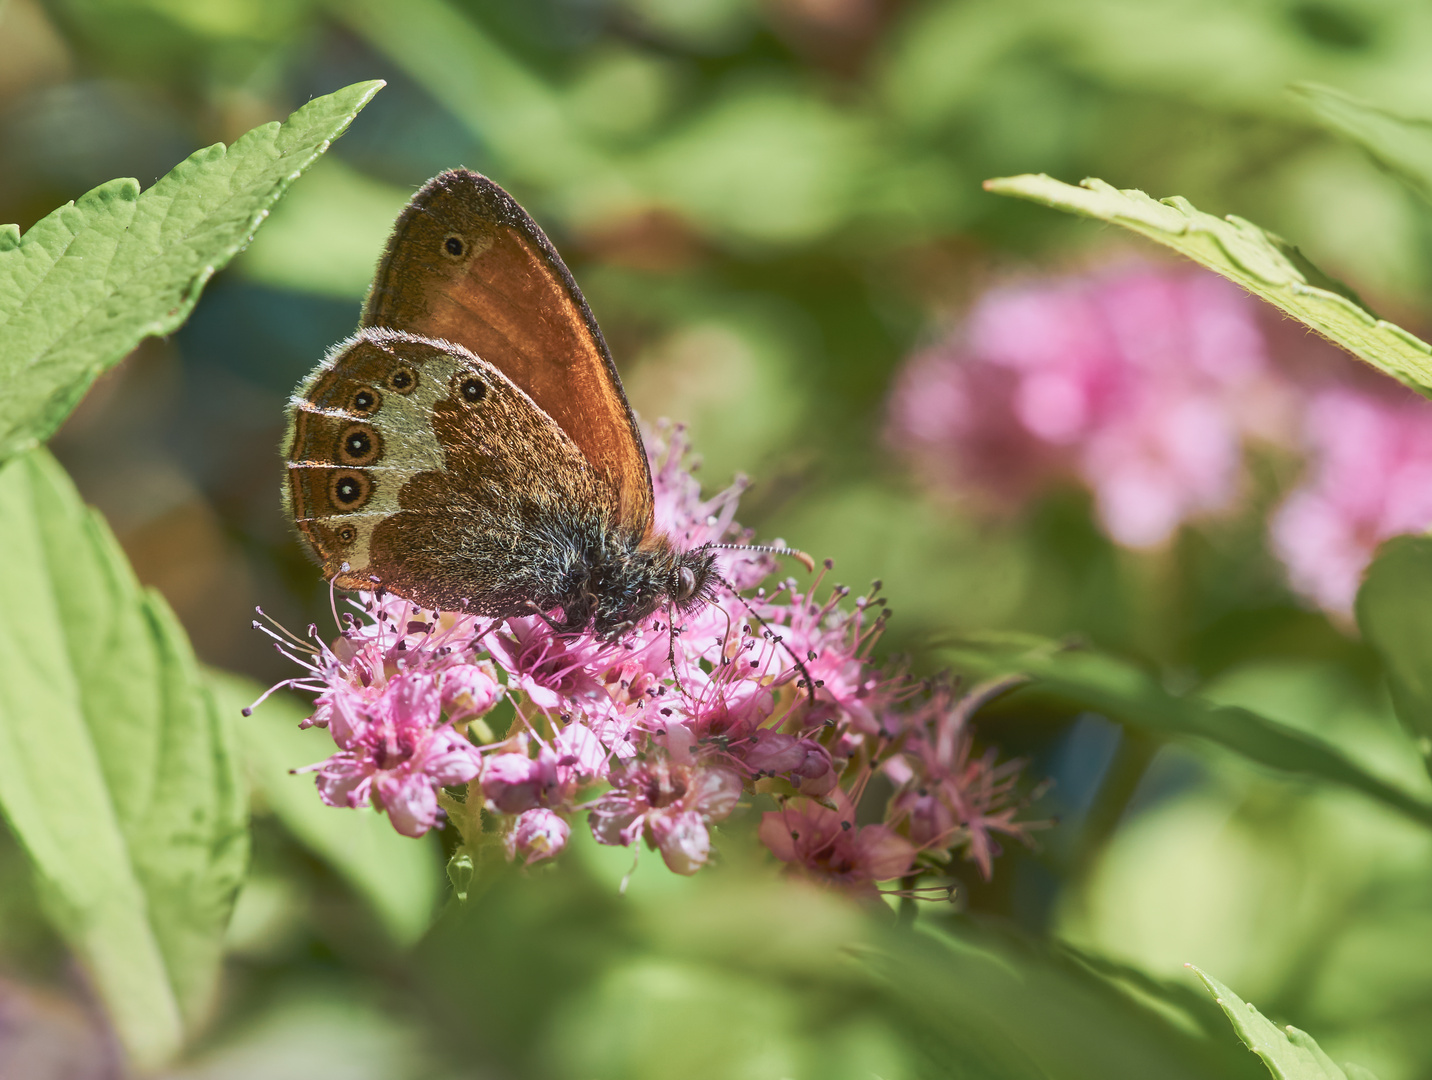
454,246
830,564
845,825
474,389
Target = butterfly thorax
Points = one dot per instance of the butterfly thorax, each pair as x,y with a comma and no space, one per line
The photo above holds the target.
607,579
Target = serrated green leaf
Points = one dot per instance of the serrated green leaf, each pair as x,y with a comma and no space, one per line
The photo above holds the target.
1400,144
1264,264
117,774
91,280
1394,612
398,876
1125,693
1290,1054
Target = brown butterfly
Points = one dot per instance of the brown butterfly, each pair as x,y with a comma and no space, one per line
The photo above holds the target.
470,447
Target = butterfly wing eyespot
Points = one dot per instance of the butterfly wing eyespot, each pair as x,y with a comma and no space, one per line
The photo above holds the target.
349,489
347,534
359,444
471,388
403,380
366,400
454,247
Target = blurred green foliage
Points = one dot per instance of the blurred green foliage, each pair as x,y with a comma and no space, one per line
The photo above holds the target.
769,204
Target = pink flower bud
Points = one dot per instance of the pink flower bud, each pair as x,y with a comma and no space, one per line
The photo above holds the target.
513,782
470,690
538,834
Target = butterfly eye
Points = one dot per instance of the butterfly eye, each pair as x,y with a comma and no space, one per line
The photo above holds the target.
686,580
403,380
349,490
473,389
359,445
454,246
366,400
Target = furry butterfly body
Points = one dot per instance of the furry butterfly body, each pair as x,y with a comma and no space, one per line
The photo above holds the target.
470,447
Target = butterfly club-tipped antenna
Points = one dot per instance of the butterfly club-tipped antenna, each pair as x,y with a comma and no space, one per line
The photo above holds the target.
768,549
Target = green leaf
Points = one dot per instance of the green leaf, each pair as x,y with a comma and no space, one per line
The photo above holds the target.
1260,262
1394,612
117,774
91,280
1290,1054
1127,694
1402,145
398,876
1012,1007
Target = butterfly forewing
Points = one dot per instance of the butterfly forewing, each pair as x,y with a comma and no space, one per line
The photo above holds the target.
468,265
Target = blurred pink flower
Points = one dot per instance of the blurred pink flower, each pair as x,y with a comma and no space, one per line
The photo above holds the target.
1142,384
1369,478
827,844
946,798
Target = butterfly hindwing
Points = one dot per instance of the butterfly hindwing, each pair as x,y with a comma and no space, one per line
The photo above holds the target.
415,464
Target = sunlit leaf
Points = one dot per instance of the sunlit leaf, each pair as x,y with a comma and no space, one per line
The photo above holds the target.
117,774
1394,612
1402,145
1290,1054
1126,693
1260,262
398,876
91,280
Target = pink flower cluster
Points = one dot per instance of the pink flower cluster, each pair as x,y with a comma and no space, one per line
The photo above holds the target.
659,735
1141,384
1146,386
1369,478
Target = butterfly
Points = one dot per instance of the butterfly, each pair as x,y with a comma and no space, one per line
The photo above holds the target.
470,448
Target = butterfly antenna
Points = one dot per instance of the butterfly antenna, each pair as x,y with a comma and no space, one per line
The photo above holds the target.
769,549
800,664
